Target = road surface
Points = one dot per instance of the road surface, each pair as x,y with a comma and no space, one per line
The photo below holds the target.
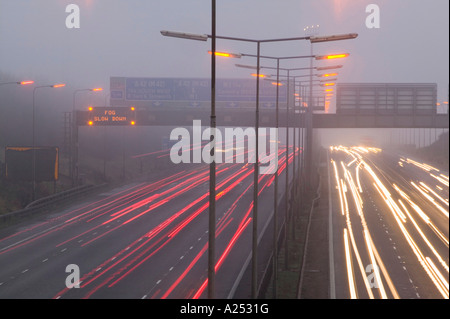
390,225
142,240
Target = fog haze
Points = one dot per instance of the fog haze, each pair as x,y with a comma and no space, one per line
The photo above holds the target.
122,38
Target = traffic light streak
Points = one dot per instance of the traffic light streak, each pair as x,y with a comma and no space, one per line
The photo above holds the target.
162,234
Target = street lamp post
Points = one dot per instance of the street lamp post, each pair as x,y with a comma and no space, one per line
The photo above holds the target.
73,152
34,139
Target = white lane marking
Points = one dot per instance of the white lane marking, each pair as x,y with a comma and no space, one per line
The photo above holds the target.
24,271
45,260
31,237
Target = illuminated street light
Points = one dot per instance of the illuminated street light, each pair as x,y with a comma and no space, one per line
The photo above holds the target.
58,85
332,56
327,75
19,83
260,75
226,54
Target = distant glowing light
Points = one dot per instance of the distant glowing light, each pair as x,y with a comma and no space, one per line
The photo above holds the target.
260,75
26,82
225,54
332,56
328,75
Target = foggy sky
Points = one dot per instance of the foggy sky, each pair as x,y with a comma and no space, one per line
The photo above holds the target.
122,38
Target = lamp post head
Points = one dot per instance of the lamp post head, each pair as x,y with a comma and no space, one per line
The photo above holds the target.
337,37
323,68
227,54
183,35
332,56
246,66
25,82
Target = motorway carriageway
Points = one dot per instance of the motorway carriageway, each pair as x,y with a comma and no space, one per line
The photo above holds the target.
144,240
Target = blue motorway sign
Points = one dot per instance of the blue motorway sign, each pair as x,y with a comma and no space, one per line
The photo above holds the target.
196,90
